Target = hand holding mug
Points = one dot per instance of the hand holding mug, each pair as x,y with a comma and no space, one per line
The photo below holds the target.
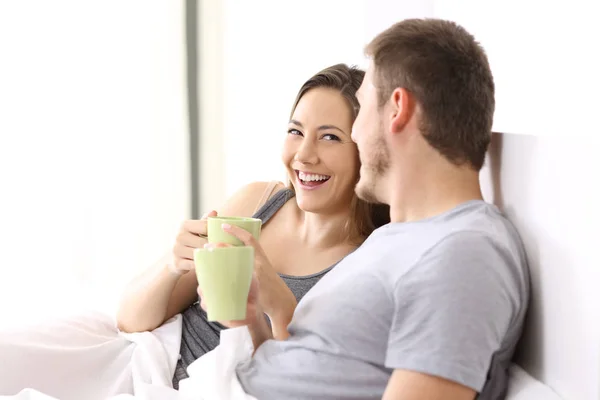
192,235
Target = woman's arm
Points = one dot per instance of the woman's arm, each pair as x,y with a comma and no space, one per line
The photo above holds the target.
160,293
153,297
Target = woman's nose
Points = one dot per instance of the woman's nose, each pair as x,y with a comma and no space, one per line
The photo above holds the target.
307,152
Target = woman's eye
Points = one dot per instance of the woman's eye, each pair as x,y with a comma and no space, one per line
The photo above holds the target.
330,136
294,132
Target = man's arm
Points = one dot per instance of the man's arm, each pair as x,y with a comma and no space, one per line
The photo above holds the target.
410,385
452,312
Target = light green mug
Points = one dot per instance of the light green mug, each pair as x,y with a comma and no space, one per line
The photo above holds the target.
216,234
225,275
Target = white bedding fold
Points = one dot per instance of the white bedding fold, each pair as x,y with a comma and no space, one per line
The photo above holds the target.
213,376
86,357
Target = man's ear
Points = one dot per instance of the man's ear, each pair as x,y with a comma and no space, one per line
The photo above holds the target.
403,106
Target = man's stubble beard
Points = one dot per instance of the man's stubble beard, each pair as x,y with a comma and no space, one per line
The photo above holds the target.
375,167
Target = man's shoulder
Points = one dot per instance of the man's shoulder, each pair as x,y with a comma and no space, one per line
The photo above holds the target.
471,226
483,236
468,264
471,244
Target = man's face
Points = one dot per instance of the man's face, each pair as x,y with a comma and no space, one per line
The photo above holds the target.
368,132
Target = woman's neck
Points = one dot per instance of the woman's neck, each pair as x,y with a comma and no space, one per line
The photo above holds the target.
324,231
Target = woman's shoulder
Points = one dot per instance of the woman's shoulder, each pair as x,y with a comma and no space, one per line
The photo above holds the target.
259,192
261,187
250,197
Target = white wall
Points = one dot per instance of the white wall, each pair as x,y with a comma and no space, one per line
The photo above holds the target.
93,159
544,55
381,14
543,185
212,106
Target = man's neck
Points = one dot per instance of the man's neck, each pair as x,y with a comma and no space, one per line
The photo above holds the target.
427,192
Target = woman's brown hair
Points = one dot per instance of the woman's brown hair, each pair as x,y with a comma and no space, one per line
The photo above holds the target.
347,79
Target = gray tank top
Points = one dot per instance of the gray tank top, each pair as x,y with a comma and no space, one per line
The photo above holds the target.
199,336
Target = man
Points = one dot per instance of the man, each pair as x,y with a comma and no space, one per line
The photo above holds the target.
431,306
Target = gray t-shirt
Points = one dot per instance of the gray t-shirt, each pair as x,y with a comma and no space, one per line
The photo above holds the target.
445,296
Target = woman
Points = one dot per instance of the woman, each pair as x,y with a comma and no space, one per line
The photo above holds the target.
308,226
303,238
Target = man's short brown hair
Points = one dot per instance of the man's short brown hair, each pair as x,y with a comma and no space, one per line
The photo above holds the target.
447,71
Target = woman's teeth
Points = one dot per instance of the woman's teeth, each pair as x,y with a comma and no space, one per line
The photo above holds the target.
312,177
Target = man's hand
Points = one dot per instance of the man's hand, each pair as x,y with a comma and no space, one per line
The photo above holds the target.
252,307
255,317
274,296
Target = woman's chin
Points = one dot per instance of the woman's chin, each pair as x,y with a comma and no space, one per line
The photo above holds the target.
311,205
320,205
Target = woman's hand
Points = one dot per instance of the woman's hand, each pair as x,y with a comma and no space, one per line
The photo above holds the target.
191,236
274,296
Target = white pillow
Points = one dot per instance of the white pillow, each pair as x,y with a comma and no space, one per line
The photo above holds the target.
522,386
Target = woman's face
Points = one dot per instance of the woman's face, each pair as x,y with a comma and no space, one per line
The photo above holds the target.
319,154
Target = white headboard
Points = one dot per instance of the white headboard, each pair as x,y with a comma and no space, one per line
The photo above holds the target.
545,186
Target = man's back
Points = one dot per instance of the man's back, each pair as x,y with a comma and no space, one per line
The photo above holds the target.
445,296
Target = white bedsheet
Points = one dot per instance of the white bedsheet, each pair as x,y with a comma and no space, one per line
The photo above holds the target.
523,386
86,357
